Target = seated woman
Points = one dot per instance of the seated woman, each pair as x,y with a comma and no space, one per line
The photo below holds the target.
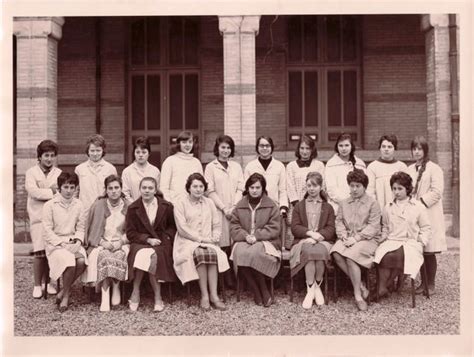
255,231
405,231
107,243
358,231
196,251
63,224
150,229
312,225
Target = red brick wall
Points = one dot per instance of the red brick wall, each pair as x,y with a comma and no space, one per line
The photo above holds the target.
394,79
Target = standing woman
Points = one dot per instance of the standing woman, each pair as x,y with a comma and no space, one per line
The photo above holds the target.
196,251
150,229
405,231
140,168
93,172
272,170
177,167
429,186
296,172
225,186
107,243
63,224
380,170
358,233
313,228
255,230
41,185
338,167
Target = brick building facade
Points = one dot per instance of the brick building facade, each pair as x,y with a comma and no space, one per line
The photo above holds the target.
242,75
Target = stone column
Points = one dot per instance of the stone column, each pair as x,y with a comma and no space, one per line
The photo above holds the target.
438,96
239,81
36,93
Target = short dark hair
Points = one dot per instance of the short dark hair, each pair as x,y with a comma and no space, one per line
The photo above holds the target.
46,146
97,140
420,141
112,178
149,178
267,138
195,176
184,136
67,177
255,177
403,179
224,139
312,145
358,176
392,138
142,142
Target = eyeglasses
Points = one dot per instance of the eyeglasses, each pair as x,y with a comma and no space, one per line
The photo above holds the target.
264,146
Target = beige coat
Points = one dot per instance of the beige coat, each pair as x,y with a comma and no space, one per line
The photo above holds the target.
430,189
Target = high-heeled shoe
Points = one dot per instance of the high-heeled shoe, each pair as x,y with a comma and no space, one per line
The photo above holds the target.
218,305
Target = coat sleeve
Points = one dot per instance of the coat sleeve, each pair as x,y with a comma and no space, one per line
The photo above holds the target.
40,194
165,179
271,229
435,191
425,228
211,187
385,223
80,224
283,197
48,226
182,226
240,185
334,192
371,186
170,228
341,229
127,184
132,224
237,232
297,228
372,229
88,224
216,222
328,231
290,183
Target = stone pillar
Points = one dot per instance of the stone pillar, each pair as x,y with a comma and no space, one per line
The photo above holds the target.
36,90
438,96
239,81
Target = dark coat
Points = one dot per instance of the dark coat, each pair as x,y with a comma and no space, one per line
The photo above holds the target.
139,229
267,221
299,222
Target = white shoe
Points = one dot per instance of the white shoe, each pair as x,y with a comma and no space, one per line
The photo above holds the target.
51,290
308,299
37,292
159,307
105,303
318,294
115,294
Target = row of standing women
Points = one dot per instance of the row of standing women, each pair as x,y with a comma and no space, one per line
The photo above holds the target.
224,184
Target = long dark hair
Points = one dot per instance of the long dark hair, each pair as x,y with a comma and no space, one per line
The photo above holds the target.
312,145
255,177
420,141
342,137
317,179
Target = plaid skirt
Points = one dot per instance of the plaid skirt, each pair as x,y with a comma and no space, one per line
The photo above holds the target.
203,255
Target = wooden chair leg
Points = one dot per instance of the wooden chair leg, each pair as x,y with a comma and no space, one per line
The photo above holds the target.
188,290
326,284
170,295
334,284
413,293
272,292
367,284
291,288
377,284
221,283
238,286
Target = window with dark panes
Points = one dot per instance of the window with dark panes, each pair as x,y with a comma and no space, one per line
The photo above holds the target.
323,66
163,80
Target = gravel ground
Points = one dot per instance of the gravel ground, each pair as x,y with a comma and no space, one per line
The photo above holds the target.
392,316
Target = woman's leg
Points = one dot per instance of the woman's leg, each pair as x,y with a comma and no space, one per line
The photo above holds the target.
431,268
320,266
39,269
262,286
212,278
310,272
249,277
341,262
156,286
68,279
116,292
202,273
105,295
355,276
137,280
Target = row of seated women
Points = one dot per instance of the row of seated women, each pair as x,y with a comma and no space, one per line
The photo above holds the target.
225,183
152,237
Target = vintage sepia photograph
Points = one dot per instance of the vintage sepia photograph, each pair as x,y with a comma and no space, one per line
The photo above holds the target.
222,174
